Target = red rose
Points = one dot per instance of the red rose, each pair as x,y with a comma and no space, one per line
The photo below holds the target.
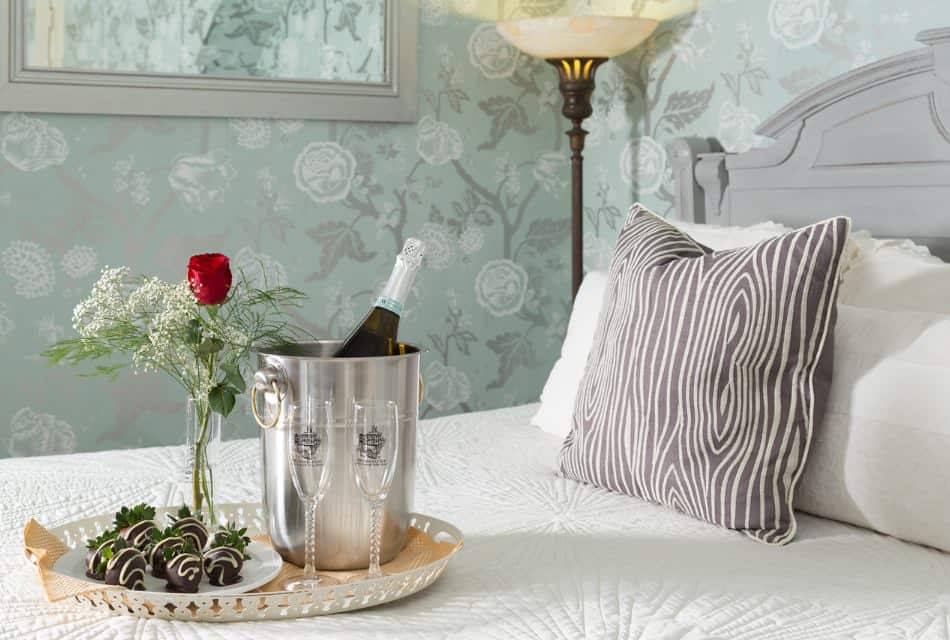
209,275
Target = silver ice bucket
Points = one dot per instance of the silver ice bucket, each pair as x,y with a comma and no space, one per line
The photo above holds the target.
288,375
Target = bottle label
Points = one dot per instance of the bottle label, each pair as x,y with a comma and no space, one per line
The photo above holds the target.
390,304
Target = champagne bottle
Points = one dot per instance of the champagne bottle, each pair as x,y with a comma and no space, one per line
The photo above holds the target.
376,334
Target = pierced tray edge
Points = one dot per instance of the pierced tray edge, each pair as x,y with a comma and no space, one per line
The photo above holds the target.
330,599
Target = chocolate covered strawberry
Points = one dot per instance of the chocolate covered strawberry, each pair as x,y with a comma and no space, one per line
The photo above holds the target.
135,525
155,551
225,559
182,568
96,546
125,566
191,527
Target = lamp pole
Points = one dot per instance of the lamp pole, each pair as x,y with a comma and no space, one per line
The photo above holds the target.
576,76
575,46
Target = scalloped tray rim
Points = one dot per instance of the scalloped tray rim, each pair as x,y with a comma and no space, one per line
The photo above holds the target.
268,605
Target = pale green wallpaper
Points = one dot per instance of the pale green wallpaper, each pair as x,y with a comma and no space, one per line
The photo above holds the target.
719,74
481,177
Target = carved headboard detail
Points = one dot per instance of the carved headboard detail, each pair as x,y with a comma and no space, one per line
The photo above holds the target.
873,144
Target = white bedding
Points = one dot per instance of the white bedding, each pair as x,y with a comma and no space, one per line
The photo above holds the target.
544,557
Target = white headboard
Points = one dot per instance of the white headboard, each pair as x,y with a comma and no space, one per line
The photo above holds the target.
872,144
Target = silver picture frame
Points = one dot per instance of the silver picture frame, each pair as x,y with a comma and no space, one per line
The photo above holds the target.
83,92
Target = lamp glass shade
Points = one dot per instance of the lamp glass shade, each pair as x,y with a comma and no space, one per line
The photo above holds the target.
499,10
576,36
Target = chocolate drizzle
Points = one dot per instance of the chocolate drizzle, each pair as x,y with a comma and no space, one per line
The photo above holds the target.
127,569
156,554
193,529
183,573
223,566
94,560
138,534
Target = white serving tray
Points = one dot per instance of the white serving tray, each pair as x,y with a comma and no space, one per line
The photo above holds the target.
217,607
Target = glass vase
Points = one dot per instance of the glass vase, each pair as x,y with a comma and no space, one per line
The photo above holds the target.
202,454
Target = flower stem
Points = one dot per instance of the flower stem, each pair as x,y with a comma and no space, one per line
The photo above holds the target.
197,497
201,482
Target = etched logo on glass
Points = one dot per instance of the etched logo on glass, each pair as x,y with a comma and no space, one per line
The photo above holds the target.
307,448
370,448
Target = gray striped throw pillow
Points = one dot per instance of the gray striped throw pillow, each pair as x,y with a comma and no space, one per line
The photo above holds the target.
708,372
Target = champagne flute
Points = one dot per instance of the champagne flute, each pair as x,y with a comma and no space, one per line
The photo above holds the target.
310,450
374,449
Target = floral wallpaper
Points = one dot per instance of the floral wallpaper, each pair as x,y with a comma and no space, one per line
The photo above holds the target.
482,177
720,73
311,39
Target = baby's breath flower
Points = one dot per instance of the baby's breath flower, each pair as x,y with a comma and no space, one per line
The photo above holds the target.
105,306
160,326
234,335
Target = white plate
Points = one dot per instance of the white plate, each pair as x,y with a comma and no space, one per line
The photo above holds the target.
262,567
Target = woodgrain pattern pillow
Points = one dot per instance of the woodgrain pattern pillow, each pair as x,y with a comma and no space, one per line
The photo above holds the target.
707,373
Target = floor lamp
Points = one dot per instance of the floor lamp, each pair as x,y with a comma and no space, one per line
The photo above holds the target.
575,46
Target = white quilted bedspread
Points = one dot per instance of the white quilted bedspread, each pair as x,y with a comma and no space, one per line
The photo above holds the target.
544,557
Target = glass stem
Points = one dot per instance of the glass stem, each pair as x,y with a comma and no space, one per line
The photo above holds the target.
375,538
310,561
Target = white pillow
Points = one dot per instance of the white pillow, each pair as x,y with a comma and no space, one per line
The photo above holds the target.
881,456
897,275
557,397
871,246
720,238
560,390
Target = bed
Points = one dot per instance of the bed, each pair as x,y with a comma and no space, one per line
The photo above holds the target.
544,557
872,144
547,557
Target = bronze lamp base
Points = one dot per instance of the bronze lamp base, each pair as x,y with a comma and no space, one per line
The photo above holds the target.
576,77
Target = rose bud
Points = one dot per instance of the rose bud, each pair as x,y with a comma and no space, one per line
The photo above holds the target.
209,275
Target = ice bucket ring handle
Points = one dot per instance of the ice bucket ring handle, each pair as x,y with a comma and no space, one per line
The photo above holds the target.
266,377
